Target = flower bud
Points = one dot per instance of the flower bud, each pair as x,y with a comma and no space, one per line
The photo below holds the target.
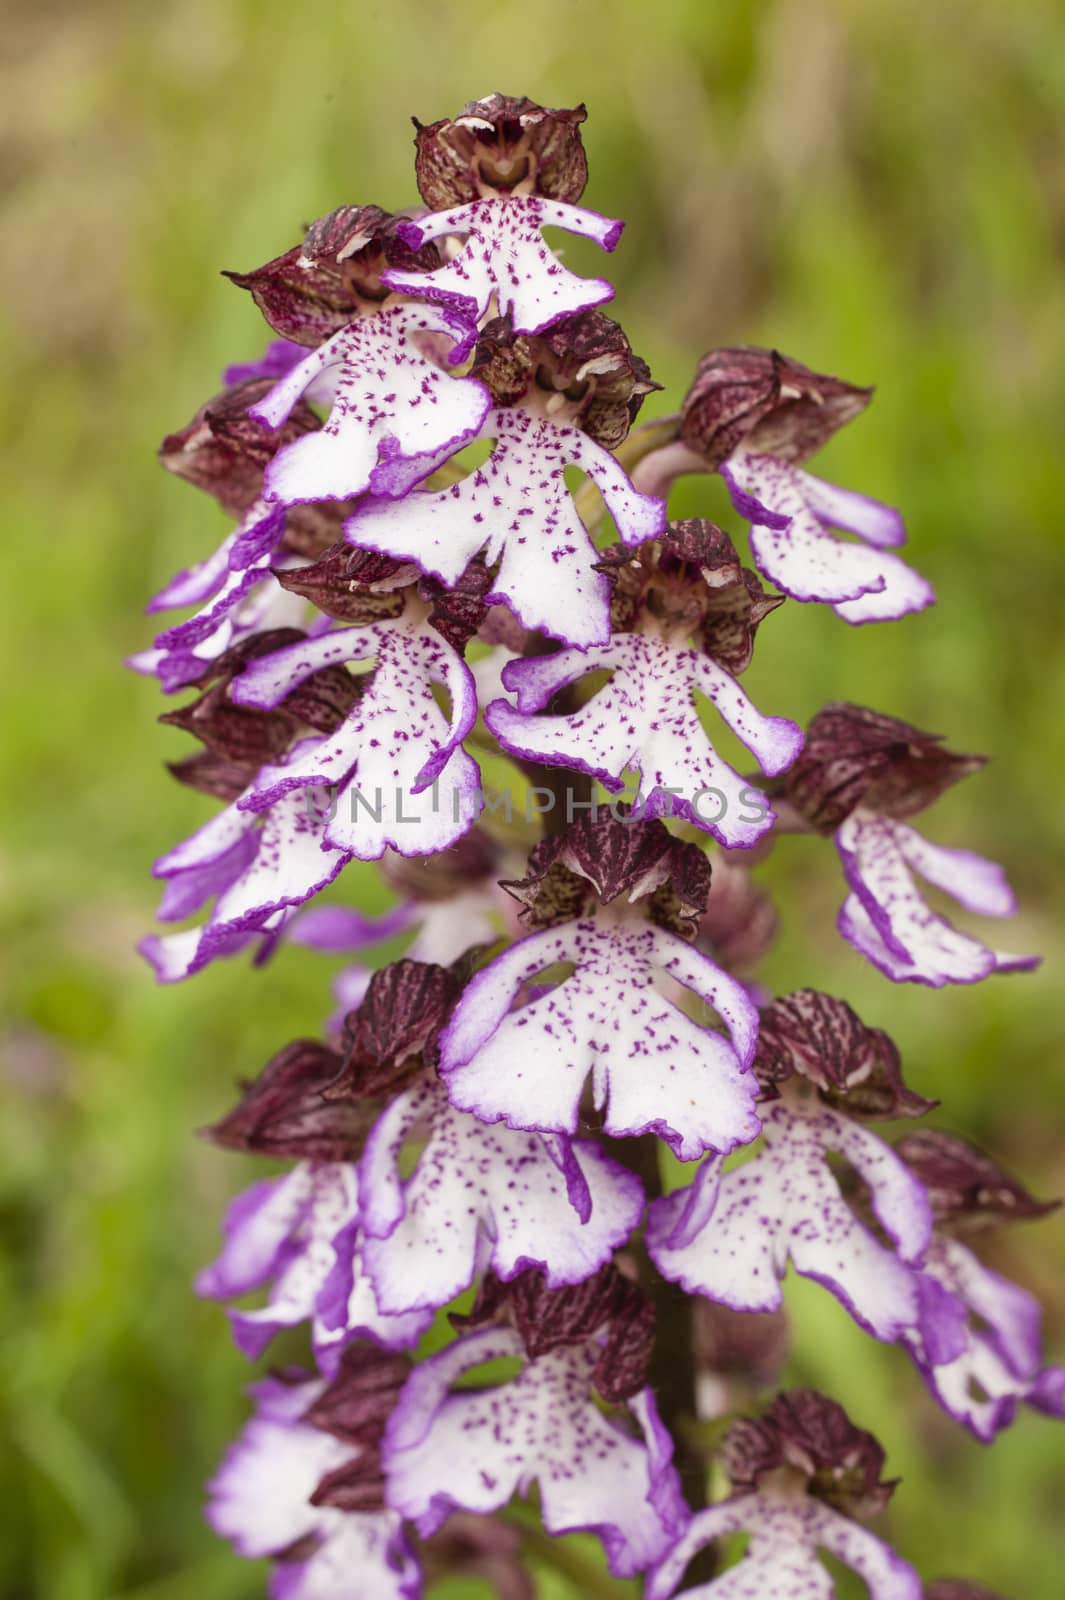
582,371
318,287
857,757
814,1436
503,144
821,1039
773,405
966,1189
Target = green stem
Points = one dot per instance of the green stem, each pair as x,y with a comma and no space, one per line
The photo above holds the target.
672,1372
647,437
588,1581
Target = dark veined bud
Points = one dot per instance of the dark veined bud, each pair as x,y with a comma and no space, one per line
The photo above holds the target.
355,1408
814,1437
599,858
967,1190
607,1307
857,757
318,287
218,776
690,578
225,453
283,1112
393,1030
820,1038
583,372
503,144
459,609
352,585
771,404
247,738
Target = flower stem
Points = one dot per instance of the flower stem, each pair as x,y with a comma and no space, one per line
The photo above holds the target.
558,1554
672,1373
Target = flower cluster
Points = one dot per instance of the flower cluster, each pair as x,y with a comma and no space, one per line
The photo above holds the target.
415,583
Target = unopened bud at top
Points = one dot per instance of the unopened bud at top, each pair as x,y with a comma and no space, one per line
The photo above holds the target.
503,144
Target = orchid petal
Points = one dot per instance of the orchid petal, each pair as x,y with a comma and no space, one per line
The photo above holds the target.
505,255
391,405
792,547
394,744
518,509
644,719
478,1191
474,1448
654,1070
889,922
732,1237
870,519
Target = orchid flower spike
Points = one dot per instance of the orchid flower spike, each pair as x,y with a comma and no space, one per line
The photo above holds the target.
477,1227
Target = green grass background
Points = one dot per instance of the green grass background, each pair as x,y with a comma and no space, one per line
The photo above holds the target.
877,188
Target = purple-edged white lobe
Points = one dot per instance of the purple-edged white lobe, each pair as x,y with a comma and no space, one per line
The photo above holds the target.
793,548
395,414
731,1235
645,718
904,591
174,956
195,584
653,1069
974,881
289,1233
347,1307
260,1500
870,519
257,1229
223,574
236,588
481,1197
222,582
401,776
887,919
265,605
370,1544
781,1560
979,1345
258,866
474,1448
505,256
519,511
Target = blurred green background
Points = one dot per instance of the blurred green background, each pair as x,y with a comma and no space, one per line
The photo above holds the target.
876,187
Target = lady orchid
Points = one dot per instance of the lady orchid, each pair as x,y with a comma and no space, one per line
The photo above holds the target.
487,1115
